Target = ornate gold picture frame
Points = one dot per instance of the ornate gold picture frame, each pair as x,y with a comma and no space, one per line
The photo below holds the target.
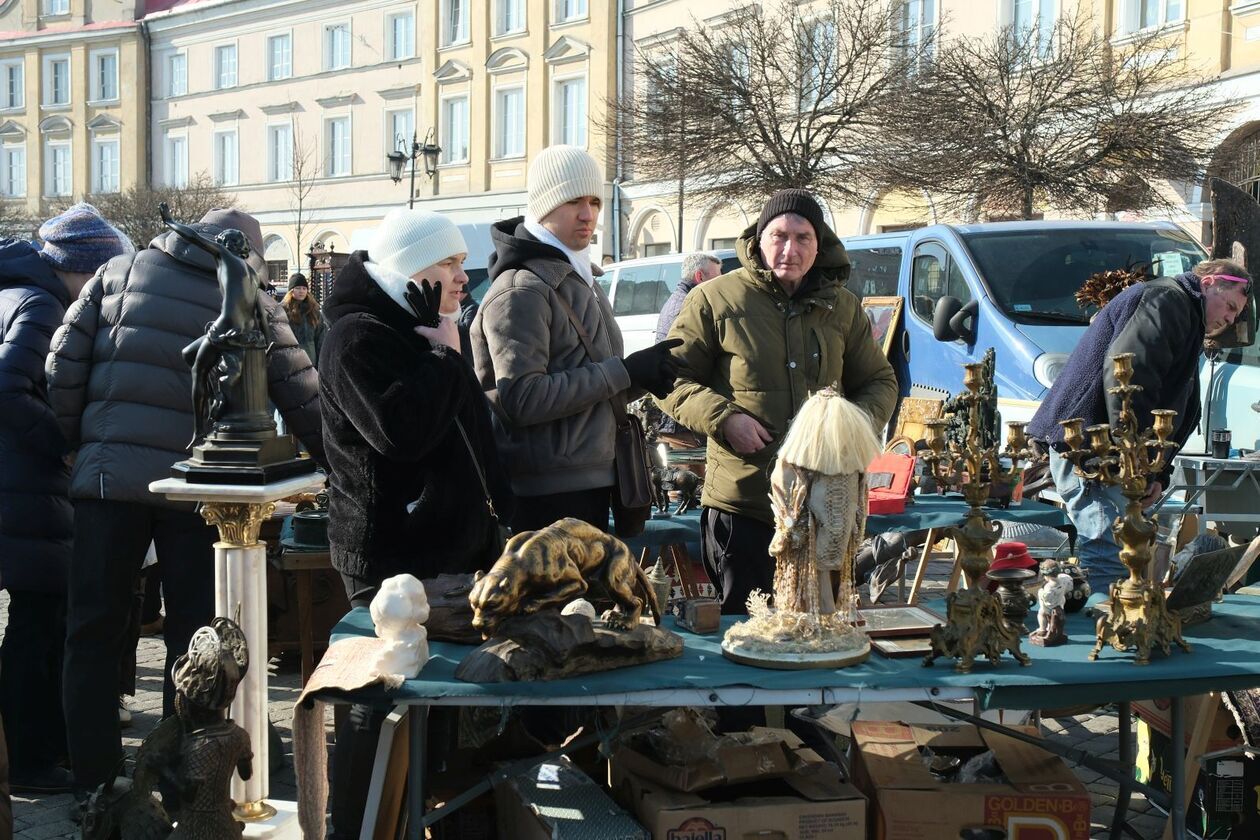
885,315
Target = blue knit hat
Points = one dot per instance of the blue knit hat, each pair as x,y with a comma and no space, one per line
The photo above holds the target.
79,240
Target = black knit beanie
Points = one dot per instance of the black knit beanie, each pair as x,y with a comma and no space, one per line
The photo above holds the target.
296,280
799,202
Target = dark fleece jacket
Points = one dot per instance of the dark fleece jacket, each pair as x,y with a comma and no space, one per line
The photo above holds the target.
36,520
388,402
1162,322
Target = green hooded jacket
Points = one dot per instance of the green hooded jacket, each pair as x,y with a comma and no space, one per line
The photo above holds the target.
748,347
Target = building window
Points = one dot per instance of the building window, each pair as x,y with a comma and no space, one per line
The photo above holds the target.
225,66
56,7
13,170
570,10
455,129
402,35
226,158
571,111
279,152
1136,15
337,141
57,172
511,17
105,166
509,122
105,76
1036,17
12,82
278,272
337,46
177,74
918,21
56,80
455,28
177,161
400,127
279,57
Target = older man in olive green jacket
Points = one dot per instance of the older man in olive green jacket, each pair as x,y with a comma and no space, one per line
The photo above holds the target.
756,343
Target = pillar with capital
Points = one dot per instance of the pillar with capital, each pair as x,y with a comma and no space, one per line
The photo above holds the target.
240,584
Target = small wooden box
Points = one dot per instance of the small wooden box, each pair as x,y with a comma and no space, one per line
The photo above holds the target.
700,615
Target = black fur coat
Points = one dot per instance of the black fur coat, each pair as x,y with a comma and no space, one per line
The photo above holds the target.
389,400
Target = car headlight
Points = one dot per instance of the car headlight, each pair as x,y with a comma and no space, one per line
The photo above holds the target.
1048,366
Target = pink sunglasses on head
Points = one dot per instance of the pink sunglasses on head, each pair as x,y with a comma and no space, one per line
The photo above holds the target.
1231,278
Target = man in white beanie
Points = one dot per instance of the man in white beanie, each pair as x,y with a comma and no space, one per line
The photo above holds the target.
556,401
408,436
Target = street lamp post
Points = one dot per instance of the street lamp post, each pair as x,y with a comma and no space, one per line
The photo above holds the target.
399,157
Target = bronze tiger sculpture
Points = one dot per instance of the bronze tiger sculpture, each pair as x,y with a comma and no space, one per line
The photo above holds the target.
550,567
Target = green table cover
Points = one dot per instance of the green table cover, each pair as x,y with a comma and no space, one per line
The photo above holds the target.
1226,655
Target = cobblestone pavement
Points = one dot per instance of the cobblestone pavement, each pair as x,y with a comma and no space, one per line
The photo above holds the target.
48,817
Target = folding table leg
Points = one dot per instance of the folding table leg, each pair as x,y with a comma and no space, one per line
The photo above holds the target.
920,572
1126,760
417,739
1177,812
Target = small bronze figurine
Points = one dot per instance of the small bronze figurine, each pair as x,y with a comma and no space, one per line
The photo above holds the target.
217,358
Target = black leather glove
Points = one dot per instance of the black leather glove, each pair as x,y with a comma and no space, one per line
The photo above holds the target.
426,304
653,369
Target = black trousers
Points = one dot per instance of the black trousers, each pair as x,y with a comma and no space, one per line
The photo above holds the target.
30,680
110,541
736,554
535,512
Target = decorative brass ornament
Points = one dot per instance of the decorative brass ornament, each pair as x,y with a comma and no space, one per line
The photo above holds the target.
238,522
1125,457
974,622
253,811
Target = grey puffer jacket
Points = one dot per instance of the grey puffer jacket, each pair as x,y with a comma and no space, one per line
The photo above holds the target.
120,387
552,401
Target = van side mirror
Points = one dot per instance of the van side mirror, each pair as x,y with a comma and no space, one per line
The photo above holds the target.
952,320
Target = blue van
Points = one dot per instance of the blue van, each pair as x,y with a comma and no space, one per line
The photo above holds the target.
1011,286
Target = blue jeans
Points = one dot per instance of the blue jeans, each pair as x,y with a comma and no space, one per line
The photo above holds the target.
1093,508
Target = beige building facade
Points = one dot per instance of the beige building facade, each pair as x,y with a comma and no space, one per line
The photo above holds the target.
1220,42
73,93
293,105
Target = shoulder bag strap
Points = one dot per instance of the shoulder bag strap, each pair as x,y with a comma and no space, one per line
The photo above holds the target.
481,476
619,411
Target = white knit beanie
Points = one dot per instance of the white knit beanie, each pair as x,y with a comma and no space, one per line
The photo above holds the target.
560,174
409,240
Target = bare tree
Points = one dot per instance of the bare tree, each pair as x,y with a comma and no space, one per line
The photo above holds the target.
15,222
305,169
134,210
782,96
1000,125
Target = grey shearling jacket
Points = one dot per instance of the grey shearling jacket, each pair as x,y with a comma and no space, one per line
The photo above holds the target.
118,382
554,417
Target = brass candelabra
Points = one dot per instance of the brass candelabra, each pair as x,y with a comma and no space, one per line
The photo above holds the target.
1126,457
974,624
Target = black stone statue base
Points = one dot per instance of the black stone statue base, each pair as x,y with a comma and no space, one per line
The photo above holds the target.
251,462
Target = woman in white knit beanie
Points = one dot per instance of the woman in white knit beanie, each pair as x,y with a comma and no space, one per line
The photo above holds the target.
409,444
416,246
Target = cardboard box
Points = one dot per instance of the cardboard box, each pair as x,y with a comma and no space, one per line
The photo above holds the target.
1042,800
812,804
772,754
1225,801
556,801
1158,714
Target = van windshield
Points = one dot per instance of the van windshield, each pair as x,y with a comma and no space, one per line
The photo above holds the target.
1033,275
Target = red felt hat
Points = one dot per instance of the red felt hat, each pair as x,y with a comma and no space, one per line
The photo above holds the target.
1012,555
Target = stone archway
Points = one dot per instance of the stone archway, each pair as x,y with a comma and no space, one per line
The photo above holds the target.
652,232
